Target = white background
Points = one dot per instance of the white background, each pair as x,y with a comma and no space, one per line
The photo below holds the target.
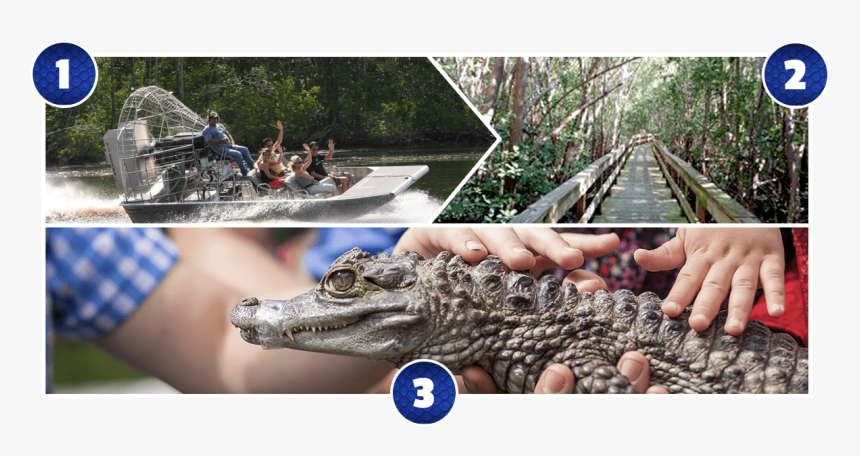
244,425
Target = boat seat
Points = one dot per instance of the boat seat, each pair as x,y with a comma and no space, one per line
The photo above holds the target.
253,177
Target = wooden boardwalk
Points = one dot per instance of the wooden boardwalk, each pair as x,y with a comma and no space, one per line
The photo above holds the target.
641,194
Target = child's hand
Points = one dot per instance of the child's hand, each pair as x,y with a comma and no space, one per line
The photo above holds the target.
536,249
716,261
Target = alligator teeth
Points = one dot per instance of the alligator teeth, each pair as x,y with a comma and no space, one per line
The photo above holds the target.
314,329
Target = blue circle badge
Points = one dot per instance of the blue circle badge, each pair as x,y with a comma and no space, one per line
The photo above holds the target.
65,75
424,391
794,75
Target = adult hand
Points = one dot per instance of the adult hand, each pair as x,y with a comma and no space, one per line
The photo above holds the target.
280,125
718,260
331,145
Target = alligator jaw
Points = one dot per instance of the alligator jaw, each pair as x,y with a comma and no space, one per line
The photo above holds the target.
372,329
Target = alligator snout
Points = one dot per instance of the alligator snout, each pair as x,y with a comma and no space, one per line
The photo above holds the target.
244,315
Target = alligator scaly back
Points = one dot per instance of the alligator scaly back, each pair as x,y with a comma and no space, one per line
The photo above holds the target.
403,307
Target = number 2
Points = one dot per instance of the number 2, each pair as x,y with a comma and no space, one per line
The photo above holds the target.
425,396
63,65
799,70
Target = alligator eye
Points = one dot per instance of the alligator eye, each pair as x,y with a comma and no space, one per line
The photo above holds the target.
342,280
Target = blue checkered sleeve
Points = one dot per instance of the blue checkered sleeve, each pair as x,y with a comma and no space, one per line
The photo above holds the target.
97,277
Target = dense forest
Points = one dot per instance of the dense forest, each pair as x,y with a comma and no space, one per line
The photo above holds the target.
359,102
557,115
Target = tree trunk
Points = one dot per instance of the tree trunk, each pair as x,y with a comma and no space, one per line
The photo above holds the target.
792,157
180,75
520,70
706,112
491,94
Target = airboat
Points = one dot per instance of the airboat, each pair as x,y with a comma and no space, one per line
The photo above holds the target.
168,173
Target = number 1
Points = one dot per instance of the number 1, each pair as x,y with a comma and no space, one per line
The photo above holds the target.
799,70
63,65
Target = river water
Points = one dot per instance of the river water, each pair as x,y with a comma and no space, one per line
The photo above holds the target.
88,195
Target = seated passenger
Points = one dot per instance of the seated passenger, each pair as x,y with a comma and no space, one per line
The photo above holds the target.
317,168
223,144
304,180
269,164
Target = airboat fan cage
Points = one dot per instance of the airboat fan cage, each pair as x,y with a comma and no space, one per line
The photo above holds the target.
158,153
163,114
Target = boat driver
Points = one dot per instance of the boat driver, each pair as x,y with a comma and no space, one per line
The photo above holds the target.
223,144
317,168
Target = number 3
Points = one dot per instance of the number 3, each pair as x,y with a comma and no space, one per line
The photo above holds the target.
799,70
424,393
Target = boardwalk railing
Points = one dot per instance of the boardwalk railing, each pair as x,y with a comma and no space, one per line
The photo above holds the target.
578,192
699,198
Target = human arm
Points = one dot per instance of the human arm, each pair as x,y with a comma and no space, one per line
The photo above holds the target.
307,163
210,138
277,144
182,335
719,262
264,167
230,137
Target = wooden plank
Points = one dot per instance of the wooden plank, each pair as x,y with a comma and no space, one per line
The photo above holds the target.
555,204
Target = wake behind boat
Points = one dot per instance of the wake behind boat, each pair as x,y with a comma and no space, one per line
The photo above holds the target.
168,173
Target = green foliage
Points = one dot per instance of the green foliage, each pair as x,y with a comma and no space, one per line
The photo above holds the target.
355,101
485,197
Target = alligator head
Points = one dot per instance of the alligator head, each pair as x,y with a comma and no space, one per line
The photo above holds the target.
364,306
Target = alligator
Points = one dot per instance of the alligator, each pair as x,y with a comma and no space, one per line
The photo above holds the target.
403,307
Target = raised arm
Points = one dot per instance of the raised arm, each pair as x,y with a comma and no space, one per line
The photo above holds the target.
307,163
277,144
330,150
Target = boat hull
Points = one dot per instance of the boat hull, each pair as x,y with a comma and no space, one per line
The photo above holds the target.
332,209
376,187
